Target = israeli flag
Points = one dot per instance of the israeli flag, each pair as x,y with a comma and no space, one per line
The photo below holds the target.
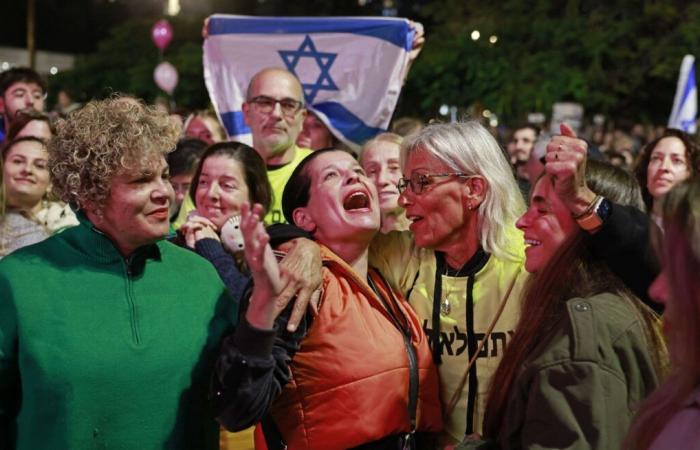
351,69
685,105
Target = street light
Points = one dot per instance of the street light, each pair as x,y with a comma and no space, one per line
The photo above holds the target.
476,35
493,39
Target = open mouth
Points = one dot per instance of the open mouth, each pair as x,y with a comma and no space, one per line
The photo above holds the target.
532,242
356,200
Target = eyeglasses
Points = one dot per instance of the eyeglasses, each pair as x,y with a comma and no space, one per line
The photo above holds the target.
418,181
265,105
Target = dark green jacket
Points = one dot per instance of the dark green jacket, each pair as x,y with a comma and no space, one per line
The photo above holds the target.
101,352
580,389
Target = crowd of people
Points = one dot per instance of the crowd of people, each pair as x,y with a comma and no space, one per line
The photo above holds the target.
162,286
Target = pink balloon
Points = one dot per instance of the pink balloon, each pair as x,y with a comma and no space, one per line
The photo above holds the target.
165,76
162,34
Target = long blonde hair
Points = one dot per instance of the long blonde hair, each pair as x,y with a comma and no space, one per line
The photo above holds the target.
681,257
469,147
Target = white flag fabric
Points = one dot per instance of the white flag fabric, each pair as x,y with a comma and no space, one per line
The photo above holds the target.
351,69
685,104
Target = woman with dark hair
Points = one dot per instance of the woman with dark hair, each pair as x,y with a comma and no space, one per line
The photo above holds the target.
228,174
670,417
585,352
28,214
358,372
664,162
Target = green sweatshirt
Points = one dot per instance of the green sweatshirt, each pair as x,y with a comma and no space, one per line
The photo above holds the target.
98,352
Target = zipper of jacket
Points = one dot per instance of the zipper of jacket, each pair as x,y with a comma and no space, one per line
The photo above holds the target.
130,301
412,360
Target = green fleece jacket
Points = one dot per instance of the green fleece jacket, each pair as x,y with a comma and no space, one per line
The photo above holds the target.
99,352
581,388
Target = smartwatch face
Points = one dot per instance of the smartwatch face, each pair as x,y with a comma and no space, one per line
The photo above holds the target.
604,210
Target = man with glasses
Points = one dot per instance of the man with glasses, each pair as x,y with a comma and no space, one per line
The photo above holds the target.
274,110
20,88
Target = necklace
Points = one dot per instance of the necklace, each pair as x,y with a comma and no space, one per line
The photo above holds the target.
445,307
467,270
445,304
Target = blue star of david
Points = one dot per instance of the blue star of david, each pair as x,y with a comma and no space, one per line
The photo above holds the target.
325,60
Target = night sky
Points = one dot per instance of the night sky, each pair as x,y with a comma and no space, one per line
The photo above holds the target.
75,26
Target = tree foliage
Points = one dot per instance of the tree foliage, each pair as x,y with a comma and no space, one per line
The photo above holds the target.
124,62
618,57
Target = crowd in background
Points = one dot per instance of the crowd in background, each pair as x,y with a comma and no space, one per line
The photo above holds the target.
446,285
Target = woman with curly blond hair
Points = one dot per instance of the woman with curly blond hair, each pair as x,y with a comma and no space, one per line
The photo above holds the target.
107,330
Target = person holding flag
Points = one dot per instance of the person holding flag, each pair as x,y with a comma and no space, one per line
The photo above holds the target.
351,69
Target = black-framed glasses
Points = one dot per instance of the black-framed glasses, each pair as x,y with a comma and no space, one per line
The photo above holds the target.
418,181
265,105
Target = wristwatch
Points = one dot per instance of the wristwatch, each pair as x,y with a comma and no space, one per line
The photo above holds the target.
596,216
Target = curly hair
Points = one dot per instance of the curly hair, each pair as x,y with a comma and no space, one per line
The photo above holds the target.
100,141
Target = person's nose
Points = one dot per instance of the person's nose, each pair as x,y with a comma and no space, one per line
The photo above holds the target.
383,177
26,169
406,198
352,177
658,291
30,101
163,192
214,192
277,111
666,164
524,221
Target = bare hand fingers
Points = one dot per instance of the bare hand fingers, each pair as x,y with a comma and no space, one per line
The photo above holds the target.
566,130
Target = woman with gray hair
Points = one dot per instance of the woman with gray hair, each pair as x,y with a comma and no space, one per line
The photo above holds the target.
107,331
461,268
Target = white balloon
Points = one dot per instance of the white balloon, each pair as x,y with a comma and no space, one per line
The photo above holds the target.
165,76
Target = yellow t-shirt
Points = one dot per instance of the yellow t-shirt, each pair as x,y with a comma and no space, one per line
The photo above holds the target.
399,260
278,177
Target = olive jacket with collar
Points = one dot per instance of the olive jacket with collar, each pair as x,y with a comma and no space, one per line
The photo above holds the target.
581,387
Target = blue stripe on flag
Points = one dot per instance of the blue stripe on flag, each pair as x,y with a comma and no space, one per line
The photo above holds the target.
689,86
234,123
395,31
351,126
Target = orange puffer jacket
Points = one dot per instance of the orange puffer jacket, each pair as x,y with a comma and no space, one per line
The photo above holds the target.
350,378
